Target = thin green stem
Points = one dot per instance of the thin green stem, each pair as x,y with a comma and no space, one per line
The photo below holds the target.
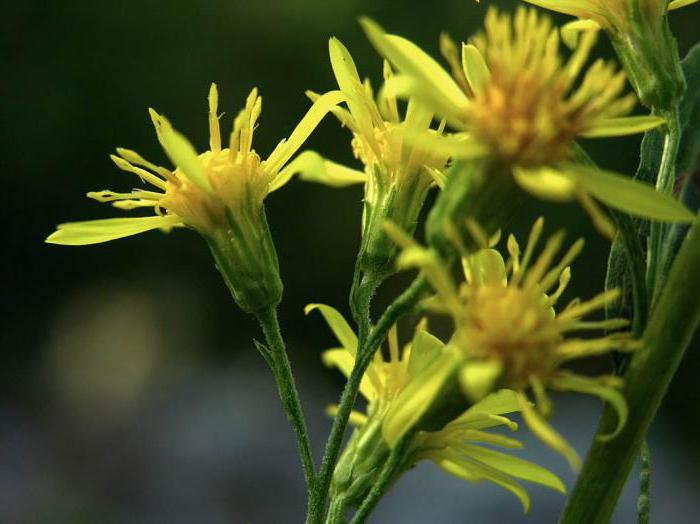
643,502
386,475
665,181
674,319
282,370
366,348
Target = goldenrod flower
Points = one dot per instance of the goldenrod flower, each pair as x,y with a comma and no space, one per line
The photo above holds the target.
203,187
516,101
397,171
218,193
640,33
392,389
509,332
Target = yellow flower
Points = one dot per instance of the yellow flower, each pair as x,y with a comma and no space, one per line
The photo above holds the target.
397,171
642,38
509,332
202,188
218,193
393,388
612,14
516,101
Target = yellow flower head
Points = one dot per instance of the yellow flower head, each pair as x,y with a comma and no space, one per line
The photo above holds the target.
641,36
508,329
613,14
531,104
397,171
202,188
512,98
398,391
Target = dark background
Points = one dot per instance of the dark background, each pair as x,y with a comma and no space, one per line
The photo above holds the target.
130,390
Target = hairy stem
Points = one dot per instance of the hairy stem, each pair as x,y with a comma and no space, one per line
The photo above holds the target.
386,475
366,348
276,357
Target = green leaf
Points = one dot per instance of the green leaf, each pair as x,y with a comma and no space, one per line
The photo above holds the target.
628,195
341,329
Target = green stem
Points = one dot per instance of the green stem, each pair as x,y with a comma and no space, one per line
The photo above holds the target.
386,475
282,370
643,502
402,305
674,319
336,511
665,181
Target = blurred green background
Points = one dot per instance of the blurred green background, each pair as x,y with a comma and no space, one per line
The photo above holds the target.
131,391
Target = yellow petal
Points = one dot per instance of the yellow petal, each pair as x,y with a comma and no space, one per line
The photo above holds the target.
478,378
180,152
414,62
546,183
412,403
341,329
541,428
622,126
628,195
97,231
677,4
475,68
344,361
312,167
286,149
571,31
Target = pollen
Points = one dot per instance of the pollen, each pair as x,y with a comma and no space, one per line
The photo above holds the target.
534,104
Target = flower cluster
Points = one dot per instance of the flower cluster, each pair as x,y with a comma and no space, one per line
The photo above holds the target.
457,446
501,123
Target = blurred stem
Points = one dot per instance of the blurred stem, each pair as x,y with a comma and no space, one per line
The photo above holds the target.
643,502
665,182
276,357
365,351
674,319
384,478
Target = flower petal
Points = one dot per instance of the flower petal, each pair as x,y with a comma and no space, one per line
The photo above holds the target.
180,152
341,329
677,4
541,428
515,467
312,167
97,231
628,195
414,62
475,68
599,388
286,149
622,126
474,472
412,403
546,183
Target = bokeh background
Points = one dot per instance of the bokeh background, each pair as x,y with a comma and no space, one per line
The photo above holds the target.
131,390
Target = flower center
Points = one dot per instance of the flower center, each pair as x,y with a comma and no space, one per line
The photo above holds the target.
237,183
513,325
